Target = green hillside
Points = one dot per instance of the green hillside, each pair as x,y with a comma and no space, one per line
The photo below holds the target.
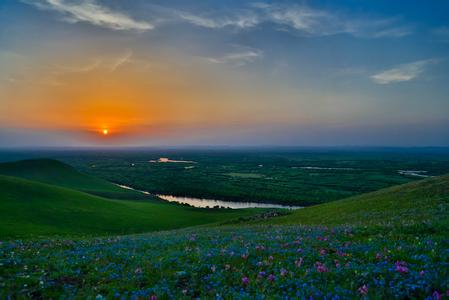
29,208
425,201
57,173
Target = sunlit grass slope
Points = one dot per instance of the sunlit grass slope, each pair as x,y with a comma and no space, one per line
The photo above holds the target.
423,202
29,208
57,173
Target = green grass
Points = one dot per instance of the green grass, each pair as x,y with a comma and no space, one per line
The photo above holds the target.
297,177
424,202
30,209
392,243
57,173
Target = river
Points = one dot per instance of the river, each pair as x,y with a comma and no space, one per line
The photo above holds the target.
203,203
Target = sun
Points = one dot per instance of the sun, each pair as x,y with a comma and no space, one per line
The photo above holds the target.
105,132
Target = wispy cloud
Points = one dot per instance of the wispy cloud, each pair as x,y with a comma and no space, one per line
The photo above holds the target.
79,69
91,12
303,19
393,32
121,60
237,58
317,22
242,20
404,72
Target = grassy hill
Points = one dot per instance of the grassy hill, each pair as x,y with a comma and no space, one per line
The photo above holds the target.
425,201
57,173
29,208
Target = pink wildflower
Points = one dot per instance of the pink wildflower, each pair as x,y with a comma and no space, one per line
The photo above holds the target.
363,290
401,267
337,263
320,267
245,281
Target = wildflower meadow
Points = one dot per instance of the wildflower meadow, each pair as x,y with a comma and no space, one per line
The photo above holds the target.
247,262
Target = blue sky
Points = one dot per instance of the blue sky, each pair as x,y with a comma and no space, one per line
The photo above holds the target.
308,73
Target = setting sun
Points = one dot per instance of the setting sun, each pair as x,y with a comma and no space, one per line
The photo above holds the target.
105,132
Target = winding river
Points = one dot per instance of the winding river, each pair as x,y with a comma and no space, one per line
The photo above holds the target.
203,203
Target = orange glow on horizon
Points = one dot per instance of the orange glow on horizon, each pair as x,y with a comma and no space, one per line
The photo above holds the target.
127,103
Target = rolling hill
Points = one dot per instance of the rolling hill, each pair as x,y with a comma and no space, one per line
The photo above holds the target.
57,173
30,209
420,202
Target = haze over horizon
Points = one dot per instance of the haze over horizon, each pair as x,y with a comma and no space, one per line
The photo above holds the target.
310,73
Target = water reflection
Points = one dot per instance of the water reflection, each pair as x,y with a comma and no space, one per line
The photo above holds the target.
204,203
197,202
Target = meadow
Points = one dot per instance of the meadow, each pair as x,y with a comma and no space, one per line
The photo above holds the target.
290,176
262,262
67,234
45,197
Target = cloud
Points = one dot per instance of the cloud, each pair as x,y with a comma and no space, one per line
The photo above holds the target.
93,13
79,69
238,21
125,58
237,58
300,18
316,22
404,72
394,32
306,20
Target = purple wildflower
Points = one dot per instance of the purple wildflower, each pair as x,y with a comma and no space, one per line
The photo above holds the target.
437,296
401,267
320,267
363,290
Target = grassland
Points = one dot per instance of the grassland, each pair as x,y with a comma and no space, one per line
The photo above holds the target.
54,172
365,258
296,177
389,244
62,201
424,202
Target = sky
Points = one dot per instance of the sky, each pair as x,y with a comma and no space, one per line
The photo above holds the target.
183,72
